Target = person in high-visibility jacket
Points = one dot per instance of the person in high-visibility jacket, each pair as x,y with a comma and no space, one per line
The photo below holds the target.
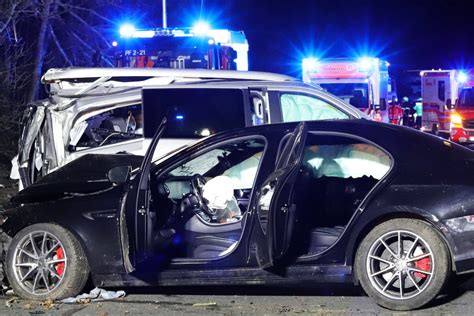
395,112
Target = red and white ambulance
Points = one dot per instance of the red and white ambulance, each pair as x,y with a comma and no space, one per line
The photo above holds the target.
448,103
364,83
439,91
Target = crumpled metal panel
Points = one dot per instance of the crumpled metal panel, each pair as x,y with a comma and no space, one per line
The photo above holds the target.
33,130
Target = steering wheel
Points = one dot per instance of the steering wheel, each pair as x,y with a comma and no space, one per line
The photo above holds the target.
197,183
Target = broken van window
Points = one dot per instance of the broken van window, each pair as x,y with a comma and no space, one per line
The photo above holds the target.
109,127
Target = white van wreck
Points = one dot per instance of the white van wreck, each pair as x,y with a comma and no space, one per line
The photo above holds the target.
114,110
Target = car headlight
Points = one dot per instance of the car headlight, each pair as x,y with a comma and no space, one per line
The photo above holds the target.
456,120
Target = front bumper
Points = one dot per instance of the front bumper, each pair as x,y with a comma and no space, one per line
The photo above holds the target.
462,136
4,244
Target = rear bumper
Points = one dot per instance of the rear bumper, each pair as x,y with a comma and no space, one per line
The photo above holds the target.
461,233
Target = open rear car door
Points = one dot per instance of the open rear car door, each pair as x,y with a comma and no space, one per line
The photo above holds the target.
275,209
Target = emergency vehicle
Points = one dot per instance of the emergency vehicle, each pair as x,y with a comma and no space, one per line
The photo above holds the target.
364,83
439,92
462,116
182,48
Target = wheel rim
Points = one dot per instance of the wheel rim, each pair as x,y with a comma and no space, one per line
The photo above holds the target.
39,262
400,265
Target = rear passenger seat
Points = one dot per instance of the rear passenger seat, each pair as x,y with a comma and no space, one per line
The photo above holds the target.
328,204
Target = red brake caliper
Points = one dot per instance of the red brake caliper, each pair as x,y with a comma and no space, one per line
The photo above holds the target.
423,264
60,266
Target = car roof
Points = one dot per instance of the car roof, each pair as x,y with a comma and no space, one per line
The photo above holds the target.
134,74
394,138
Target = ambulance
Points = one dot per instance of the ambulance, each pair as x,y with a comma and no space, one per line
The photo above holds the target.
364,82
181,48
462,115
439,92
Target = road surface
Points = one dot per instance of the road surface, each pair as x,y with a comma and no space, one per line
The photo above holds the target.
324,300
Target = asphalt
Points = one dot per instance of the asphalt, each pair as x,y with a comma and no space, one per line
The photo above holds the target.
323,300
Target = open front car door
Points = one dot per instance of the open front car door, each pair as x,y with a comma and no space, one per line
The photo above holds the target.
275,209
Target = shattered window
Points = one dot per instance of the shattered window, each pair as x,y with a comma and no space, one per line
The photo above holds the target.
200,165
108,127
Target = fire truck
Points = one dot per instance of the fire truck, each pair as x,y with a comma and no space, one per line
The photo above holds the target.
440,96
459,109
364,83
181,48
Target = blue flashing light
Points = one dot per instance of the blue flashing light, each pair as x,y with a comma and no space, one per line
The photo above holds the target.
114,44
211,42
462,77
179,117
365,63
201,28
127,30
310,64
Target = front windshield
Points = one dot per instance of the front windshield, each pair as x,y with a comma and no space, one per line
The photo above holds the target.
466,99
158,158
237,161
357,94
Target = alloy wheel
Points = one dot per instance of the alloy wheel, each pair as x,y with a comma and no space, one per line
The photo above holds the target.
400,265
39,262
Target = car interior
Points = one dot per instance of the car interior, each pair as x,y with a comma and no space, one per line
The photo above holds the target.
108,127
336,174
198,207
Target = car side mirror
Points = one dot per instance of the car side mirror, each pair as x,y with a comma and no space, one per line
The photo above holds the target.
449,104
119,174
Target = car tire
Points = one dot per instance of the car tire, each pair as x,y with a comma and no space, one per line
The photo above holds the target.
394,278
45,261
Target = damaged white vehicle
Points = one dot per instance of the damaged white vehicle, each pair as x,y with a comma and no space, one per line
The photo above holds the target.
114,110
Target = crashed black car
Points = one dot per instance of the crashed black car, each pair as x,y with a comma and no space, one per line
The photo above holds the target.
379,205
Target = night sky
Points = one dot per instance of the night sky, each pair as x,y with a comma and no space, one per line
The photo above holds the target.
417,34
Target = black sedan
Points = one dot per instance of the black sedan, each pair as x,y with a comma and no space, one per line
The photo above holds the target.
379,205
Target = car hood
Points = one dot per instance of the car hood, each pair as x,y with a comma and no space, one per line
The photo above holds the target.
85,175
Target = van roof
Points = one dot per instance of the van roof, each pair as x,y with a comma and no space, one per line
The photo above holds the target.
132,74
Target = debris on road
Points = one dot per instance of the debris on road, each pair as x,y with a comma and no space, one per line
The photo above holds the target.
11,301
204,304
48,304
95,295
27,306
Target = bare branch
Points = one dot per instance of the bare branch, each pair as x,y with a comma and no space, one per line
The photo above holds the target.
61,50
10,17
90,28
75,7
